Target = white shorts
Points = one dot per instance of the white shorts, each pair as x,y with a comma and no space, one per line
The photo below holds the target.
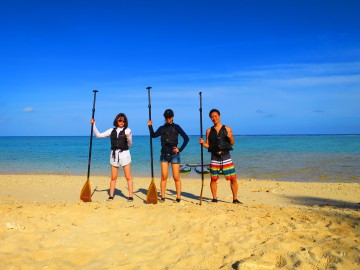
120,159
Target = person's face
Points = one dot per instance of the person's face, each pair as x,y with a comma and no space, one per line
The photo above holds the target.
121,122
215,117
169,119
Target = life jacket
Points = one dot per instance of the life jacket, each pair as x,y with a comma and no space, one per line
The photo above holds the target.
169,138
118,142
219,141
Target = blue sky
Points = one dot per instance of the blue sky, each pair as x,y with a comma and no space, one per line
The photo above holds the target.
270,67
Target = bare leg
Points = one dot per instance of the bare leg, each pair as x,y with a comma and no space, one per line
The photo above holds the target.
213,187
114,176
234,188
164,177
127,173
176,176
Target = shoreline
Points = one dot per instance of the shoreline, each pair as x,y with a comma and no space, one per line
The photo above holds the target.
280,225
187,176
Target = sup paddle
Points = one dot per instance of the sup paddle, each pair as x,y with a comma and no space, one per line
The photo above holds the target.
85,194
202,151
151,196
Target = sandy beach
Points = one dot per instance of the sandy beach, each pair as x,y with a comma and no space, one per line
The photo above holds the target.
280,225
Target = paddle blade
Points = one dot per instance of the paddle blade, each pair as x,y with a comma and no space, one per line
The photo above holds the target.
151,196
85,194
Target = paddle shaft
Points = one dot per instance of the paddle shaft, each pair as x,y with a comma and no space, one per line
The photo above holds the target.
201,150
91,133
151,146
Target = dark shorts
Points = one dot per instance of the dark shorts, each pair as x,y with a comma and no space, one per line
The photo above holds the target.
173,159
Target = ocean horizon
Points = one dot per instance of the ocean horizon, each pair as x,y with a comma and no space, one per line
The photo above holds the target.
305,157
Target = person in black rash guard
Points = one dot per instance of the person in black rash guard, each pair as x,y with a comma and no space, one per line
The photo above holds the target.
219,142
121,141
170,153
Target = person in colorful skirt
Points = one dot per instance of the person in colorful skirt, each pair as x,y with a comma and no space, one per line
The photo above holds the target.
219,142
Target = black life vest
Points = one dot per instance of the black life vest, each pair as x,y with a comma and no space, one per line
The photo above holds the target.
219,141
169,135
169,139
118,142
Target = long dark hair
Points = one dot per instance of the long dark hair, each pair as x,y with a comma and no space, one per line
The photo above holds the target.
121,115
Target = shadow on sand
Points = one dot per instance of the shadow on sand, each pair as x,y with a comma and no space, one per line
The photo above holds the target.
322,202
172,193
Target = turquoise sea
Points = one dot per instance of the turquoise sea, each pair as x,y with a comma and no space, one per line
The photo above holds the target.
329,158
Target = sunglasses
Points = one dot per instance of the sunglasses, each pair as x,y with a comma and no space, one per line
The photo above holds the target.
121,120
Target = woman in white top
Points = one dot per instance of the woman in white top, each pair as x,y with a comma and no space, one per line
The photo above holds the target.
121,140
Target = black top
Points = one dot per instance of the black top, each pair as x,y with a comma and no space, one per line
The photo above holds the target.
179,130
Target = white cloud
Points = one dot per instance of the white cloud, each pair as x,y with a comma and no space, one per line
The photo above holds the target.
28,109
